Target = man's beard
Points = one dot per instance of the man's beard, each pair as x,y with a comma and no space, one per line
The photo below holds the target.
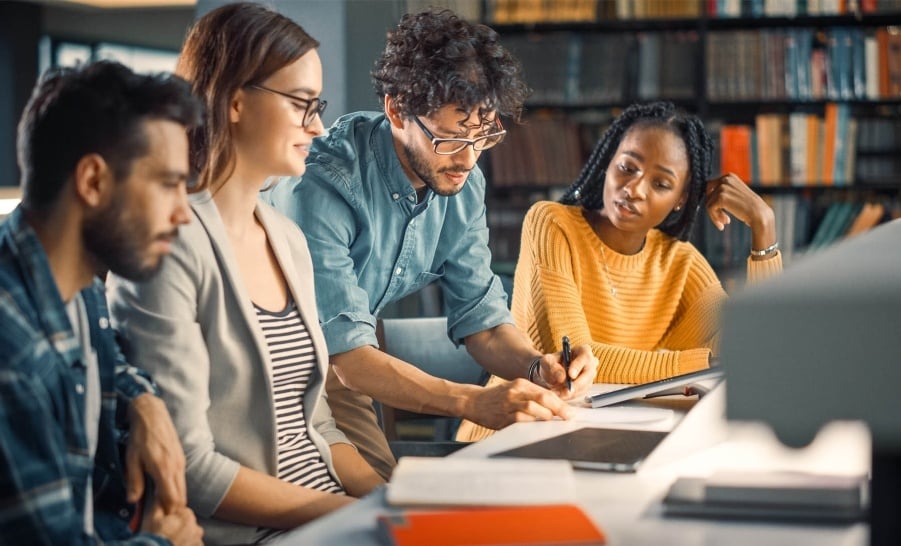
120,244
422,170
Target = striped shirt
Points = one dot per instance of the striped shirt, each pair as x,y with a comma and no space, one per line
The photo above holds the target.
293,365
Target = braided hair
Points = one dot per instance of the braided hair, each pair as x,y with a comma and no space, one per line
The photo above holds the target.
588,189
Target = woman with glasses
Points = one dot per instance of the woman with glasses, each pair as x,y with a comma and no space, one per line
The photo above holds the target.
229,327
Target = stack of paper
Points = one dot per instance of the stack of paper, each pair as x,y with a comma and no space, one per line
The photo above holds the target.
487,482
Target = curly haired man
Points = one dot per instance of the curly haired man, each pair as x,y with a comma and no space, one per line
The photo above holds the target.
392,201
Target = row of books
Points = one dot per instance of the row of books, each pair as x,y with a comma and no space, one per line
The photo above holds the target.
544,151
799,64
832,148
804,64
793,8
804,224
568,68
556,11
539,11
803,149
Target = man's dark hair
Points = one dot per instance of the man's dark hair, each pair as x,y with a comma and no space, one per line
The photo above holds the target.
588,189
96,108
434,58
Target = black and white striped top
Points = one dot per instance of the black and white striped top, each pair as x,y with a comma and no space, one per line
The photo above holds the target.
293,364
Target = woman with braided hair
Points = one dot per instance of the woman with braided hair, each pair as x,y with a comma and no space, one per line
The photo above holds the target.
610,265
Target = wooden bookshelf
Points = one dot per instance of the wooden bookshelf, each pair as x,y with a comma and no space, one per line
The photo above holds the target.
748,68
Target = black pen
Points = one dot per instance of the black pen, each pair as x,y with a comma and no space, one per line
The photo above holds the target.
567,358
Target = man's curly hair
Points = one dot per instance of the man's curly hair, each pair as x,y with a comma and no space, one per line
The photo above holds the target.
434,58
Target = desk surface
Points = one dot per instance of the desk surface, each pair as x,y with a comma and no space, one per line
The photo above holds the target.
627,506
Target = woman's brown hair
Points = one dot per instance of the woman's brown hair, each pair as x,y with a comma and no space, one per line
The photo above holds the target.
227,49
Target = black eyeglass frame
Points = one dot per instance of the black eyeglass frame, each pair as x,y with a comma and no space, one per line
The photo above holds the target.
464,142
312,107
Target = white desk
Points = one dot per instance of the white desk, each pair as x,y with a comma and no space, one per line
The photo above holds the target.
627,506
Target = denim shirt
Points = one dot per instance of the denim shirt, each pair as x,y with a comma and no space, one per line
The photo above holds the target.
373,243
44,459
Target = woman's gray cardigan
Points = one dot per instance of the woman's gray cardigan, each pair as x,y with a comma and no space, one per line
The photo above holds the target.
193,326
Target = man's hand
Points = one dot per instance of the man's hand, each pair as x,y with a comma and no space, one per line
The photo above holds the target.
512,401
583,368
179,526
154,448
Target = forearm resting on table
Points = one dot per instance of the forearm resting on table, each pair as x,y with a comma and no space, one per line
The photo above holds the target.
399,384
357,477
258,499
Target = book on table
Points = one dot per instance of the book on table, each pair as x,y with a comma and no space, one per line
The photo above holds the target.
562,524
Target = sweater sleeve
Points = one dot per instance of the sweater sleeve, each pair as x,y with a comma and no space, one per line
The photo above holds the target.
759,270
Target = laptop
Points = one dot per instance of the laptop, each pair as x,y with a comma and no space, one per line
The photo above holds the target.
607,449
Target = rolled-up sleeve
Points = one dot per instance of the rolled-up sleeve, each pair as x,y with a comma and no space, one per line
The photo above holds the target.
474,297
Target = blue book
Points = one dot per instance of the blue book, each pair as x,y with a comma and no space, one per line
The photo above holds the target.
858,63
842,145
843,70
803,51
791,66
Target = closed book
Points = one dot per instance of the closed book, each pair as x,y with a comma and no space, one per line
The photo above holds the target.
561,524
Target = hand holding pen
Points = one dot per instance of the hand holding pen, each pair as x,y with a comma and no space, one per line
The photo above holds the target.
567,360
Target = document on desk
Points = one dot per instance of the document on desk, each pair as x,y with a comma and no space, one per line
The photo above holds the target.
433,481
621,415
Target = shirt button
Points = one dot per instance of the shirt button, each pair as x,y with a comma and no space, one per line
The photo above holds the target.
396,196
123,513
413,222
399,270
104,323
79,388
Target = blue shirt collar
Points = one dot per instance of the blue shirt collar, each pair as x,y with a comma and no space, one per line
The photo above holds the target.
392,172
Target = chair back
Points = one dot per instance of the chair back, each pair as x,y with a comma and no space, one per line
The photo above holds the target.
423,342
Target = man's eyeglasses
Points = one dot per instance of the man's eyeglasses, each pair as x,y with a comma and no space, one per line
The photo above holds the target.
451,146
310,107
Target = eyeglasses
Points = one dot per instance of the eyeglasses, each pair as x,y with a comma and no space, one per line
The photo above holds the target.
311,107
451,146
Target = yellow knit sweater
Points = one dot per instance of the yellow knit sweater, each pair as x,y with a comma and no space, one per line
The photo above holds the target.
663,320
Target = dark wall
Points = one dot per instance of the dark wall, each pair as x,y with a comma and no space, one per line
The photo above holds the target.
367,25
20,30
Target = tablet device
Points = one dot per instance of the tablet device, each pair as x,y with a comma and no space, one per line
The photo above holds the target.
670,385
612,450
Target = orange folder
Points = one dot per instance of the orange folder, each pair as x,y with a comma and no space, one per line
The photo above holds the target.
548,524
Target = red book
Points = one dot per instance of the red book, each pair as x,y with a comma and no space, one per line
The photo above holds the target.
558,524
735,151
